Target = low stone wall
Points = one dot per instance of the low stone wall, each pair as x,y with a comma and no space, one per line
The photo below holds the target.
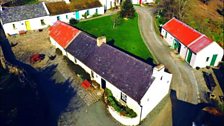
122,119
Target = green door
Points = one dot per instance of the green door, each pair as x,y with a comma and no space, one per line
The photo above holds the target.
189,56
77,15
175,44
213,60
165,34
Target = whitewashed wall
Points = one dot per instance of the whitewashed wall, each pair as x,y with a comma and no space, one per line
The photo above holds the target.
63,17
123,120
108,4
92,11
169,39
57,45
183,51
35,24
135,1
156,92
209,51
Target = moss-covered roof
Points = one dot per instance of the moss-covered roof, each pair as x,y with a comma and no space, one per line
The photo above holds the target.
61,7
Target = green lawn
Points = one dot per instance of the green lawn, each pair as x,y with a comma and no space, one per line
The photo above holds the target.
126,36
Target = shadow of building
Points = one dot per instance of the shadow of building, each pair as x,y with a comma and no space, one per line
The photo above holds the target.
36,99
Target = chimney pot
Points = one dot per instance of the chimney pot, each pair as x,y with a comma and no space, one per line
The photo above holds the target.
101,40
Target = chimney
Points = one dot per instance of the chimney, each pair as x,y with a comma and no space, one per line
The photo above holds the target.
159,67
67,1
101,40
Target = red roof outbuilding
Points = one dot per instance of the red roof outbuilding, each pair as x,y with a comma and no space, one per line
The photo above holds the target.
63,33
184,33
200,44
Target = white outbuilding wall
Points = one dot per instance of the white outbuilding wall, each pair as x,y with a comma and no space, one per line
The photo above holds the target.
167,36
200,59
35,24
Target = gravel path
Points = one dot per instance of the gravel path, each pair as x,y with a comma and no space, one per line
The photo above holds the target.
183,82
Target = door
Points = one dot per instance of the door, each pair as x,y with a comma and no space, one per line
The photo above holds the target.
27,25
176,45
213,60
77,15
166,35
103,83
189,56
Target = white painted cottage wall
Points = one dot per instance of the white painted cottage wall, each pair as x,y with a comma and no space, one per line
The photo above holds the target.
124,120
63,18
35,24
57,46
107,4
135,1
156,92
92,11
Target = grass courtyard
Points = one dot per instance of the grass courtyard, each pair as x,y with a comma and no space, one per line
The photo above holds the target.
126,35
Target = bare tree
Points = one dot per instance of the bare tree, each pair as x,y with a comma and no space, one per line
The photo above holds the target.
182,6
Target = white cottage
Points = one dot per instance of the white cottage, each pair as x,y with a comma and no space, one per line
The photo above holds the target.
65,11
195,48
108,4
20,19
132,82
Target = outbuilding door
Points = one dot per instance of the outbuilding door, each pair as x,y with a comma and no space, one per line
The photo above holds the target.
213,60
27,23
176,45
189,56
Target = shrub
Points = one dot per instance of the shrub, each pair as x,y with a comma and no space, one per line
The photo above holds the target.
123,110
73,21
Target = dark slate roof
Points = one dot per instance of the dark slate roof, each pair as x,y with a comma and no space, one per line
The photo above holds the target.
19,13
130,75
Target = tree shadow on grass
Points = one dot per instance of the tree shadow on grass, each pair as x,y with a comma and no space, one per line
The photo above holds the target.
184,113
36,99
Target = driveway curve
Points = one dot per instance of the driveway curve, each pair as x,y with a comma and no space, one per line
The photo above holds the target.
184,81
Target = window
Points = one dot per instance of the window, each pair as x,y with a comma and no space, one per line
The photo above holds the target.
42,22
96,11
123,97
161,78
207,59
75,61
58,17
92,75
14,26
66,16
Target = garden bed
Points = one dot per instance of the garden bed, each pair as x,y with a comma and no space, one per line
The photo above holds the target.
117,106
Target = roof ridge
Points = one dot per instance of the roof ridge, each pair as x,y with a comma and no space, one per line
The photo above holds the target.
196,40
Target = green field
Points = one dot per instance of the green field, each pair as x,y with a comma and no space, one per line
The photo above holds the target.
126,36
